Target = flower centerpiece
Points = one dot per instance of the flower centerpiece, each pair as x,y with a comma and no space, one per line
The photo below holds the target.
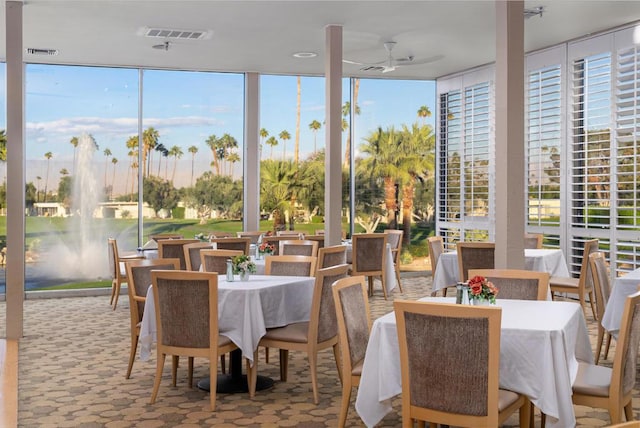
482,290
243,266
202,237
266,248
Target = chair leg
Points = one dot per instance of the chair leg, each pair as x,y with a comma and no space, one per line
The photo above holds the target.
628,411
284,364
132,354
384,286
346,399
313,368
599,343
213,381
266,355
174,369
336,356
370,279
398,277
606,348
252,375
526,413
190,372
444,292
593,306
156,382
113,292
117,294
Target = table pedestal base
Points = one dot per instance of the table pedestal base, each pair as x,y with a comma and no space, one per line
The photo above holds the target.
235,382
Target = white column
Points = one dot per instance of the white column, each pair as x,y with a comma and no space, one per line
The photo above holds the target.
510,162
251,152
15,170
333,131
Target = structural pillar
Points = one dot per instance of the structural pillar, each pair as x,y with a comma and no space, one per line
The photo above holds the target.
333,132
251,211
15,274
509,146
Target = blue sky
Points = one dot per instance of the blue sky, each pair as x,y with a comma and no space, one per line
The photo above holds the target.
186,107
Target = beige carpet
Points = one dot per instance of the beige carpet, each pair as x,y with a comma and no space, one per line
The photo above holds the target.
73,360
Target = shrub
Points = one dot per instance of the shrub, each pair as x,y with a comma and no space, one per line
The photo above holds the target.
177,212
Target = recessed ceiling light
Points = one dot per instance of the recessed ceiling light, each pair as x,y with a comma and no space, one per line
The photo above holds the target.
305,55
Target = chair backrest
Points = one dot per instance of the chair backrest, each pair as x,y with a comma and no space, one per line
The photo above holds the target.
586,277
254,236
275,242
242,244
174,248
436,247
290,265
318,238
298,247
114,258
192,254
216,260
220,234
475,255
623,378
319,232
516,283
533,240
394,239
601,281
158,236
354,320
332,256
369,253
186,298
468,351
139,274
292,234
323,325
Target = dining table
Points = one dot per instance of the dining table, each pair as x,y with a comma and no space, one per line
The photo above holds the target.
541,343
246,309
547,260
623,286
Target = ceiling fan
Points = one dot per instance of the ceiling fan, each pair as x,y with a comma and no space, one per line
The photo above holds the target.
391,63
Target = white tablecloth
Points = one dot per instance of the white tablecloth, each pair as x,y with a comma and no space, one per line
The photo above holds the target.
540,260
246,309
539,344
622,287
389,271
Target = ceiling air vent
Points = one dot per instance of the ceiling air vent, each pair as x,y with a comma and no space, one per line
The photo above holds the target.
47,52
372,68
168,33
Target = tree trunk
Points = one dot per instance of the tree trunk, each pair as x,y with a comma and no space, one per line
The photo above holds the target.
390,202
408,192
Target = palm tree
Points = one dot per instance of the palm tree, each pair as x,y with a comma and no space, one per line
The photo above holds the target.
263,134
177,153
74,142
272,141
107,153
284,136
64,172
381,152
47,155
276,183
132,153
315,126
296,151
214,144
164,152
38,178
193,150
3,150
424,112
114,161
232,158
228,144
150,139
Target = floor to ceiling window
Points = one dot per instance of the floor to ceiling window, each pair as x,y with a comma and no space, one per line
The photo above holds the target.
3,171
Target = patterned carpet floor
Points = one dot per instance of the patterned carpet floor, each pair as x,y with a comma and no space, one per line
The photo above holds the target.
73,360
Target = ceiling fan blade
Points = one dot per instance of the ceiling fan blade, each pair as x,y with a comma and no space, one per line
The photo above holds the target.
389,68
411,61
346,61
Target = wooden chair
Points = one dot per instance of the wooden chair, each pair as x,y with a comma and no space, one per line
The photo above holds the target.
275,242
216,260
354,324
298,247
436,247
369,256
394,239
291,234
474,255
602,286
582,285
242,244
533,240
468,351
516,284
290,265
219,234
254,236
184,298
332,256
139,274
318,238
158,236
174,248
192,254
612,388
319,231
320,332
117,269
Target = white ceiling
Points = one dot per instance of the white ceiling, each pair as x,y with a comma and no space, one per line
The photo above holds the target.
262,35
